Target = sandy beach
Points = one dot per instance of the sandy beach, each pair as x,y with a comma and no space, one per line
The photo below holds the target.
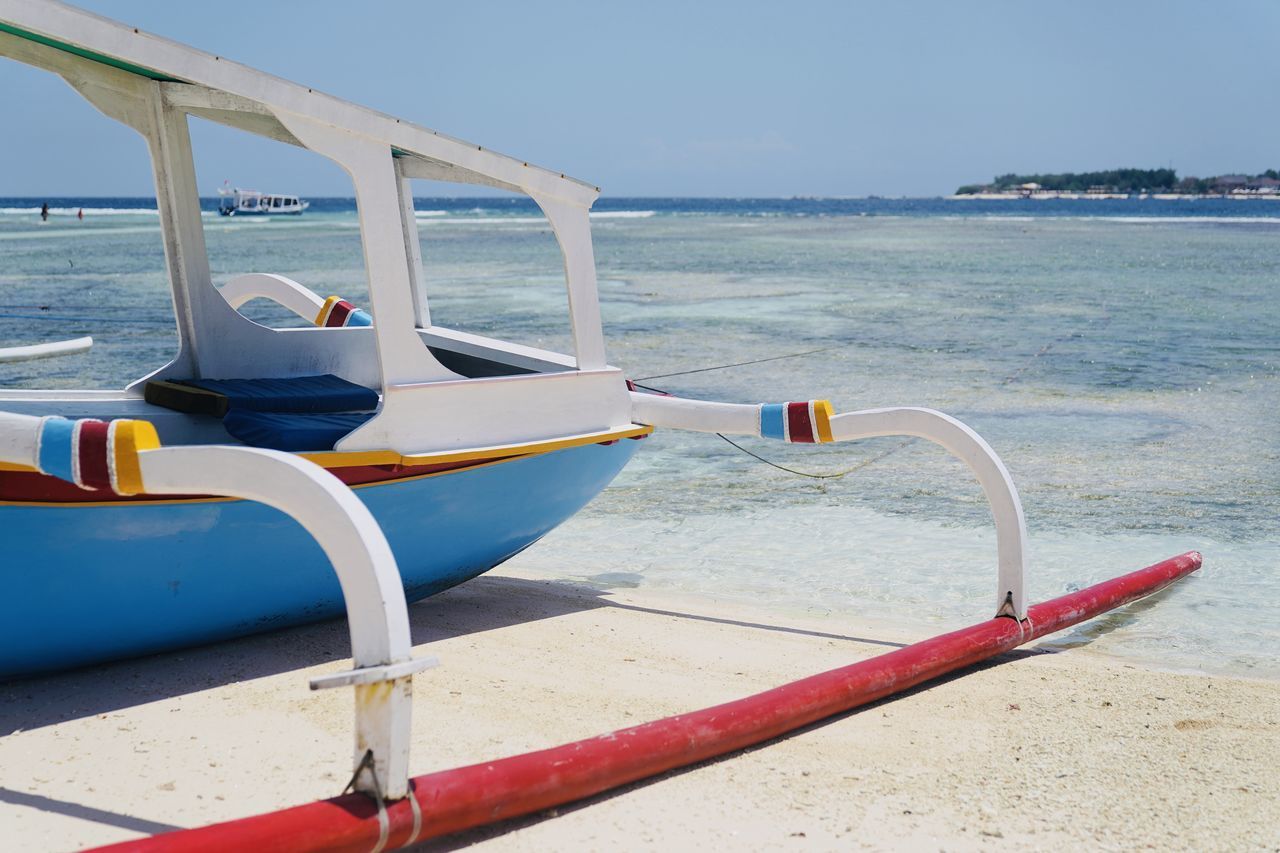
1058,750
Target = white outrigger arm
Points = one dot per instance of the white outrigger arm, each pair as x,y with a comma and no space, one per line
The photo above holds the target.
124,457
52,349
813,422
808,422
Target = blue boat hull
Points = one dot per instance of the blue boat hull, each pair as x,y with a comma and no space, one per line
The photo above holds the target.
91,583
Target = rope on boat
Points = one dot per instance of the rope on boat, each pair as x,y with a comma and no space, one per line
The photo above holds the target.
1012,377
742,363
793,470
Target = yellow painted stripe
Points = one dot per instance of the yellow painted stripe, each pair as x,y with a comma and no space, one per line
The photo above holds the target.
130,438
326,308
346,459
485,458
343,459
822,413
185,501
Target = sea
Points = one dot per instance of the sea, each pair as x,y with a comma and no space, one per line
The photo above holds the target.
1123,358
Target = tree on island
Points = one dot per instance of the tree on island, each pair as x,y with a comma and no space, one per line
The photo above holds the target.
1114,180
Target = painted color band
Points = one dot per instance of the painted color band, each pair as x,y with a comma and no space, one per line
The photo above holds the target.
323,317
96,455
92,468
338,314
773,421
800,423
55,448
822,412
128,438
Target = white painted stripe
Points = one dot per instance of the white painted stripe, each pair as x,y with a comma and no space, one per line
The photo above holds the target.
75,454
111,456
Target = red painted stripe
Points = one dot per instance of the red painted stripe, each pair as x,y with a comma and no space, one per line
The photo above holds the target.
32,486
467,797
799,425
95,472
338,313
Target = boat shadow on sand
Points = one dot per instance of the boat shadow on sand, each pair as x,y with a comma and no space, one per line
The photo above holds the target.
483,604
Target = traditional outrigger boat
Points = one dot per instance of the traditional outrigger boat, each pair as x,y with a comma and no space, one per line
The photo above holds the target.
233,201
267,477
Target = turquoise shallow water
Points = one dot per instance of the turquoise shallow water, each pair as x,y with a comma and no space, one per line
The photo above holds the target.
1124,360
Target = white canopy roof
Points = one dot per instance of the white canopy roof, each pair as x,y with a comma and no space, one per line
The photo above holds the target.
220,90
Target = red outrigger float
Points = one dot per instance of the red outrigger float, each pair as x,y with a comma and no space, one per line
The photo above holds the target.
451,801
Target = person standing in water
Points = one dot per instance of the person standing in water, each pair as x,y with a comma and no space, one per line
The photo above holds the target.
44,212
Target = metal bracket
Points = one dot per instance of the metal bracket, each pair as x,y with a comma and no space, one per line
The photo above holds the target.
372,674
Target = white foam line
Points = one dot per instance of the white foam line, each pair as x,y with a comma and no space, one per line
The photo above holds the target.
78,232
487,220
623,214
72,211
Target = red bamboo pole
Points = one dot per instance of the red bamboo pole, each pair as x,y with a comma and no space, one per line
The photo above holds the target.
467,797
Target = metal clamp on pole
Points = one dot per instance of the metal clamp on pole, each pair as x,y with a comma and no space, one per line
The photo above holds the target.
373,674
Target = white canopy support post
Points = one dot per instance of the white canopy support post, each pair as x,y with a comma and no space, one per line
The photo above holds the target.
817,424
137,102
412,245
142,104
377,616
572,227
402,357
178,200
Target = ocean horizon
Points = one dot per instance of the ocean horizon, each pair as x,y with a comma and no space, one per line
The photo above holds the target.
729,205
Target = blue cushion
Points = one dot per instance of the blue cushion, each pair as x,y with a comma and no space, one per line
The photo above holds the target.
290,431
325,393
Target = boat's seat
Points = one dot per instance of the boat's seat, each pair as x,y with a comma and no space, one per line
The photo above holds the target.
324,393
292,431
295,413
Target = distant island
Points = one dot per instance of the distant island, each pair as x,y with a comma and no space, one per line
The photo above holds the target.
1126,183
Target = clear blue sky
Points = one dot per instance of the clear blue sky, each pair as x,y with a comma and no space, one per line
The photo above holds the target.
715,98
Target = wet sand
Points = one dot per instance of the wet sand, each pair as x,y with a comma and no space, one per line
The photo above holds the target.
1059,750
